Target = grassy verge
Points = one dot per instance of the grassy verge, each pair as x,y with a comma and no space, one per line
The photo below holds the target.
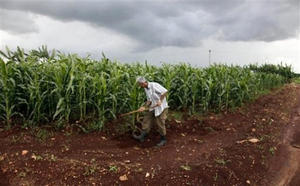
296,80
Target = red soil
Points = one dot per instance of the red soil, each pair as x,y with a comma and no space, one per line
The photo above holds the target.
199,151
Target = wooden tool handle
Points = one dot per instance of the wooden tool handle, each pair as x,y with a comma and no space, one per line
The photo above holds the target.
132,112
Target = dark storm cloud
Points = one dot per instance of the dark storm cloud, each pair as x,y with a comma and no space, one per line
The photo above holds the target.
175,23
267,21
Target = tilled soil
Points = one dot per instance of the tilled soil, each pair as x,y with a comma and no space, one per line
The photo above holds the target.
211,150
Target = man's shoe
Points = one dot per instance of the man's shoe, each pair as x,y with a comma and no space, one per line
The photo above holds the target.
141,137
162,142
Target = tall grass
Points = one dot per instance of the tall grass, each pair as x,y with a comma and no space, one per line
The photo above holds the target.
44,86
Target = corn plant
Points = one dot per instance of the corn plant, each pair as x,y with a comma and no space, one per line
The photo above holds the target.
82,86
44,86
64,88
7,94
167,74
36,95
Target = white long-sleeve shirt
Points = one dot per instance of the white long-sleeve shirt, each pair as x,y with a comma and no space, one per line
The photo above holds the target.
153,92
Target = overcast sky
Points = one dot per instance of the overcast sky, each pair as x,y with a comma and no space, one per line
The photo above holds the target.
172,31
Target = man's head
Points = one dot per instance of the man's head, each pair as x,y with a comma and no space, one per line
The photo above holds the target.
142,82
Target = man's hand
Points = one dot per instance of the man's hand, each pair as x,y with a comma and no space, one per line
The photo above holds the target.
148,103
157,104
142,109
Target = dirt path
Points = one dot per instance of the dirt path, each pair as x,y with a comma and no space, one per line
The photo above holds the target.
200,151
288,172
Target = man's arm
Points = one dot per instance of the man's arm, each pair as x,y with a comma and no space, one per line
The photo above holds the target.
145,106
160,90
162,97
148,103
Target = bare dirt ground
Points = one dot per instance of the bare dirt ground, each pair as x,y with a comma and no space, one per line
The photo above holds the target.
212,150
288,173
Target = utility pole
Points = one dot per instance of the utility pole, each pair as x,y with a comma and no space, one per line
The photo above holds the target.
209,56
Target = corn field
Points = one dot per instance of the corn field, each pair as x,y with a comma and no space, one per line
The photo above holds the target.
44,86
